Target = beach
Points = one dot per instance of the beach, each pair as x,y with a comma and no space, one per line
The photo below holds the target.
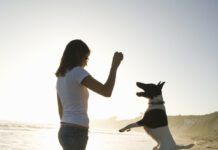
26,136
201,143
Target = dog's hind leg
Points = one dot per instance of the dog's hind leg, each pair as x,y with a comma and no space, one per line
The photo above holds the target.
153,137
156,147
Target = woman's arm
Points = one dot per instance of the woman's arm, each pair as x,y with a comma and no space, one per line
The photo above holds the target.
107,88
60,107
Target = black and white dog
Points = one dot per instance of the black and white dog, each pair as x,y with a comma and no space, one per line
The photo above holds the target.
155,120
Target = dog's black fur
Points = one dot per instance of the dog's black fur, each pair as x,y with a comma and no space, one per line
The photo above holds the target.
150,90
155,119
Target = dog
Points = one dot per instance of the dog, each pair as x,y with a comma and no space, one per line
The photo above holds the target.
155,120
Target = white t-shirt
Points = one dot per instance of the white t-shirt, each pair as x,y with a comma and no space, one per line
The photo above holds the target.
74,96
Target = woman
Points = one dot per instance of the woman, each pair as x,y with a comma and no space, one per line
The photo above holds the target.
72,94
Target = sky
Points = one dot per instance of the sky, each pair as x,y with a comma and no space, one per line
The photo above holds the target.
171,41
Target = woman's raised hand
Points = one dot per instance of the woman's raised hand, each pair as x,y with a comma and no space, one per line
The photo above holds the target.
118,57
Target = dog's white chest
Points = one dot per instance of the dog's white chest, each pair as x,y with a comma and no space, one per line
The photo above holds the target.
153,103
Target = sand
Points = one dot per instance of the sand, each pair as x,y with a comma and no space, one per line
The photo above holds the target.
201,143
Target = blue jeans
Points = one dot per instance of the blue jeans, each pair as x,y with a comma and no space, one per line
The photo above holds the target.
73,138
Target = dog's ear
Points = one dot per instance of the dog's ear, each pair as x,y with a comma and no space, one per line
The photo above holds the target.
160,85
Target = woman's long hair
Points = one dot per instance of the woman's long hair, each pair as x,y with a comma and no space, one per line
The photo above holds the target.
74,53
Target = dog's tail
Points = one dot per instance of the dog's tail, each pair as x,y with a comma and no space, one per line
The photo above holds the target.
184,146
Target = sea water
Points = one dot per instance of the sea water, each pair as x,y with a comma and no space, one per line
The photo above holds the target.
22,136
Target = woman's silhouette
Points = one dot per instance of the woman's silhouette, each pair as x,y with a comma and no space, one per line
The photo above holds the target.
72,94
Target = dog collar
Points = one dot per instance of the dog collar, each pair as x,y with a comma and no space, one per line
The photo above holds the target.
156,103
158,100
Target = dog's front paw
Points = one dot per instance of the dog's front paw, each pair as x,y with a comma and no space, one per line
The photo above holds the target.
121,130
128,130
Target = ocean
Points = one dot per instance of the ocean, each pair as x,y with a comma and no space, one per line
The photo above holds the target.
29,136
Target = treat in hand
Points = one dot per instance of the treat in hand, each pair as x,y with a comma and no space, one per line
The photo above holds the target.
118,57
